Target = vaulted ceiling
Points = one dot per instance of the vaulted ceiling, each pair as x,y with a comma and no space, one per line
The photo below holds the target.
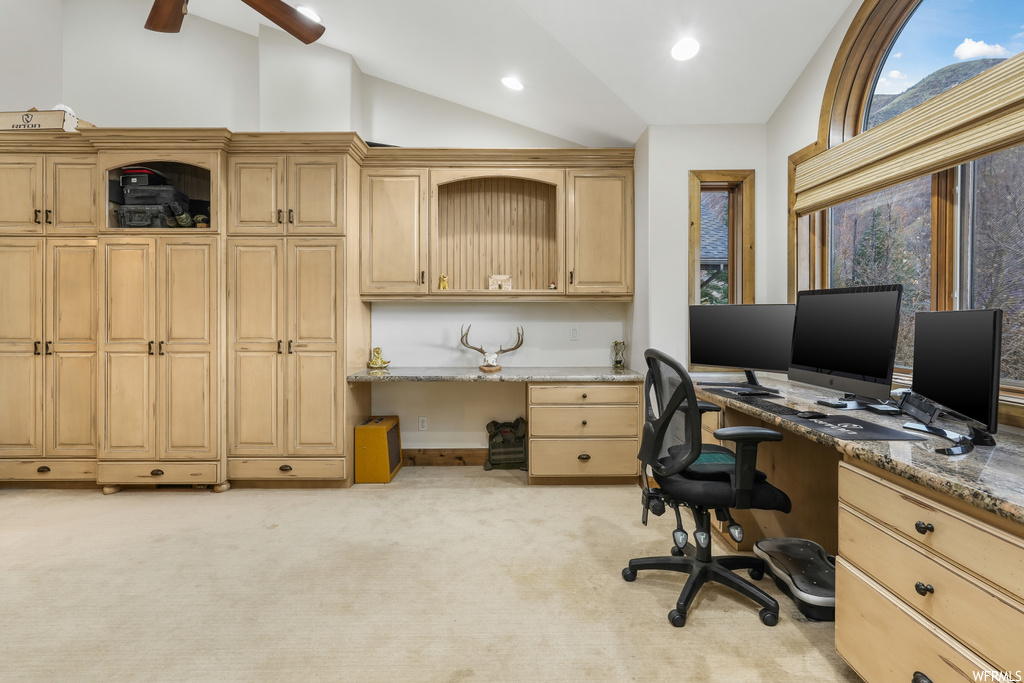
596,72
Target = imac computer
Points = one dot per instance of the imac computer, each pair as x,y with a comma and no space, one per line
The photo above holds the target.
956,370
845,339
745,336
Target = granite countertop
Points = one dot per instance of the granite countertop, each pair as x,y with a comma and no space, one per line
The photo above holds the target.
989,477
506,374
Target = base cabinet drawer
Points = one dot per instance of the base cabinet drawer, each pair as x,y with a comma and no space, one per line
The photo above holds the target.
286,468
158,473
584,394
584,457
584,421
47,470
884,641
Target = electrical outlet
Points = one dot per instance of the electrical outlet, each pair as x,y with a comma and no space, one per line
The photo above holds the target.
574,333
422,423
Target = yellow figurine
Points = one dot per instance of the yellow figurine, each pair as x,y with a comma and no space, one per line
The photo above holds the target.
442,282
376,361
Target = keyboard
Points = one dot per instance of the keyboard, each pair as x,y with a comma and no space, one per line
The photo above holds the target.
768,406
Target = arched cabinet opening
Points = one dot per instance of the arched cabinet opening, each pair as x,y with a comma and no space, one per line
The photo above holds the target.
159,194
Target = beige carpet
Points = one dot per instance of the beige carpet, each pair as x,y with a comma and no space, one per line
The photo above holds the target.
446,574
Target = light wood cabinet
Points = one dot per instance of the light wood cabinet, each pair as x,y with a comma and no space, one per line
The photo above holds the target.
583,430
158,396
48,354
294,194
599,232
51,193
394,232
285,373
953,583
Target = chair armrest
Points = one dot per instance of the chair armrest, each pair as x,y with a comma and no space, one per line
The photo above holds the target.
746,440
702,406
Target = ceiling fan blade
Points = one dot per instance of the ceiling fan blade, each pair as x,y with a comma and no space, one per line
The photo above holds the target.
167,15
288,18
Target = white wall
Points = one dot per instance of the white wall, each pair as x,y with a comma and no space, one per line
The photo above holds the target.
31,50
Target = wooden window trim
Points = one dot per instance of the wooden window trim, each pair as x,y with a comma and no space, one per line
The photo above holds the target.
741,230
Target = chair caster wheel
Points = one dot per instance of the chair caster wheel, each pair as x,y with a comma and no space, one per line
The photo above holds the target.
756,574
768,618
629,574
677,551
677,618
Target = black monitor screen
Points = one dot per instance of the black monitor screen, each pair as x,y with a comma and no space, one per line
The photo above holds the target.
956,362
745,336
845,339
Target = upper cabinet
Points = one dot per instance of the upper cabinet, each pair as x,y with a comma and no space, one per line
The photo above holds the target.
52,193
274,195
502,225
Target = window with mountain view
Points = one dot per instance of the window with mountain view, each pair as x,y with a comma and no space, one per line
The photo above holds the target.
892,235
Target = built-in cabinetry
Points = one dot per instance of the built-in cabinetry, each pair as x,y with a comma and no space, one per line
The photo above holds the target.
583,430
926,589
552,224
53,191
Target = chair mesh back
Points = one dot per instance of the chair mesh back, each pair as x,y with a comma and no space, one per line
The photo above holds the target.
672,434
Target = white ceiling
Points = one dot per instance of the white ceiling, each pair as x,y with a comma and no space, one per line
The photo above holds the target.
596,72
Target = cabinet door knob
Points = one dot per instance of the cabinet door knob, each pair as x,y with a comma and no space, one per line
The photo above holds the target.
35,348
923,589
150,346
279,351
156,473
423,277
583,456
290,346
584,395
42,469
570,277
280,216
49,348
291,216
35,217
49,219
584,423
920,678
923,528
285,468
160,349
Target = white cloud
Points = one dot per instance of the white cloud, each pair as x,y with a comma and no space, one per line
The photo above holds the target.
897,74
970,49
900,54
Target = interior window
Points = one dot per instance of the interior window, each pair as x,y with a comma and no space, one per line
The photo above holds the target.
714,247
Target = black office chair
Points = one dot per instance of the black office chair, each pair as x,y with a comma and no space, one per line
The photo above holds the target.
702,477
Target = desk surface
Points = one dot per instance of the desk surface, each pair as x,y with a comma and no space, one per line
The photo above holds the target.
989,477
506,374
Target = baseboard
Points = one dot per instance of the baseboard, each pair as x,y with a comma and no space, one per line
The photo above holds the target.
444,456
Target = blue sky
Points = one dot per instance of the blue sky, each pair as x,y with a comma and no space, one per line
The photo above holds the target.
943,32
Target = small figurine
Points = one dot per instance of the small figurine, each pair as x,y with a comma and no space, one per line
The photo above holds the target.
442,282
376,361
552,285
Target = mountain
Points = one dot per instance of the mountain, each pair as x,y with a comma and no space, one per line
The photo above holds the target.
886,106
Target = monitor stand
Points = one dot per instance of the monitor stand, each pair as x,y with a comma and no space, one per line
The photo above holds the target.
854,402
751,383
963,444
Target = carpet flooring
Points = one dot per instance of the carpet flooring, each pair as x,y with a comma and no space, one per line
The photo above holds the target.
445,574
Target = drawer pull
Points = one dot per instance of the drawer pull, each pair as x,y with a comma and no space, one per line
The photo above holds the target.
156,473
584,423
923,528
285,468
923,589
42,469
920,678
583,456
584,395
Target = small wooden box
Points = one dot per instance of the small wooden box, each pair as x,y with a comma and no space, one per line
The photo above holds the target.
38,120
378,450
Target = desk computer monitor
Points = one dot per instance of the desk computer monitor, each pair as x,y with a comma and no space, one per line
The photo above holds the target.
745,336
956,368
845,339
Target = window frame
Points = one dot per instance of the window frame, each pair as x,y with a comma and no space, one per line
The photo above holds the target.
740,186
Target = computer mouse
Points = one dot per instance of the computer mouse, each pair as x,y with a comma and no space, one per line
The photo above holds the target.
811,414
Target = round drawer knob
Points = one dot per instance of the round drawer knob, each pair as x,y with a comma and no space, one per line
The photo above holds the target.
157,473
920,678
42,469
584,395
285,468
923,589
583,456
584,423
923,528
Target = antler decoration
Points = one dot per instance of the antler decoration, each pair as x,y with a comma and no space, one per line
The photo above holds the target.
490,359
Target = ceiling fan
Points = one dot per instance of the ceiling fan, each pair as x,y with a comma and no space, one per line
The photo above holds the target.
167,15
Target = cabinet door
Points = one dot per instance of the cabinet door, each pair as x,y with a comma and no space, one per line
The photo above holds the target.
21,334
314,416
70,348
314,196
187,400
256,337
256,196
72,202
21,194
394,217
127,391
600,232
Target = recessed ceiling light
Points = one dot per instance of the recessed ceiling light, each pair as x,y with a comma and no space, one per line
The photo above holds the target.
512,83
310,13
685,49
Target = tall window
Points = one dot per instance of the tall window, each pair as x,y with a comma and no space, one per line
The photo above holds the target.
721,237
715,238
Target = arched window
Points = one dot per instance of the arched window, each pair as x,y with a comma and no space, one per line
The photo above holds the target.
918,173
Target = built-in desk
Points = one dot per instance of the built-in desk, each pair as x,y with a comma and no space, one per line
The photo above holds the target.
583,422
930,568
